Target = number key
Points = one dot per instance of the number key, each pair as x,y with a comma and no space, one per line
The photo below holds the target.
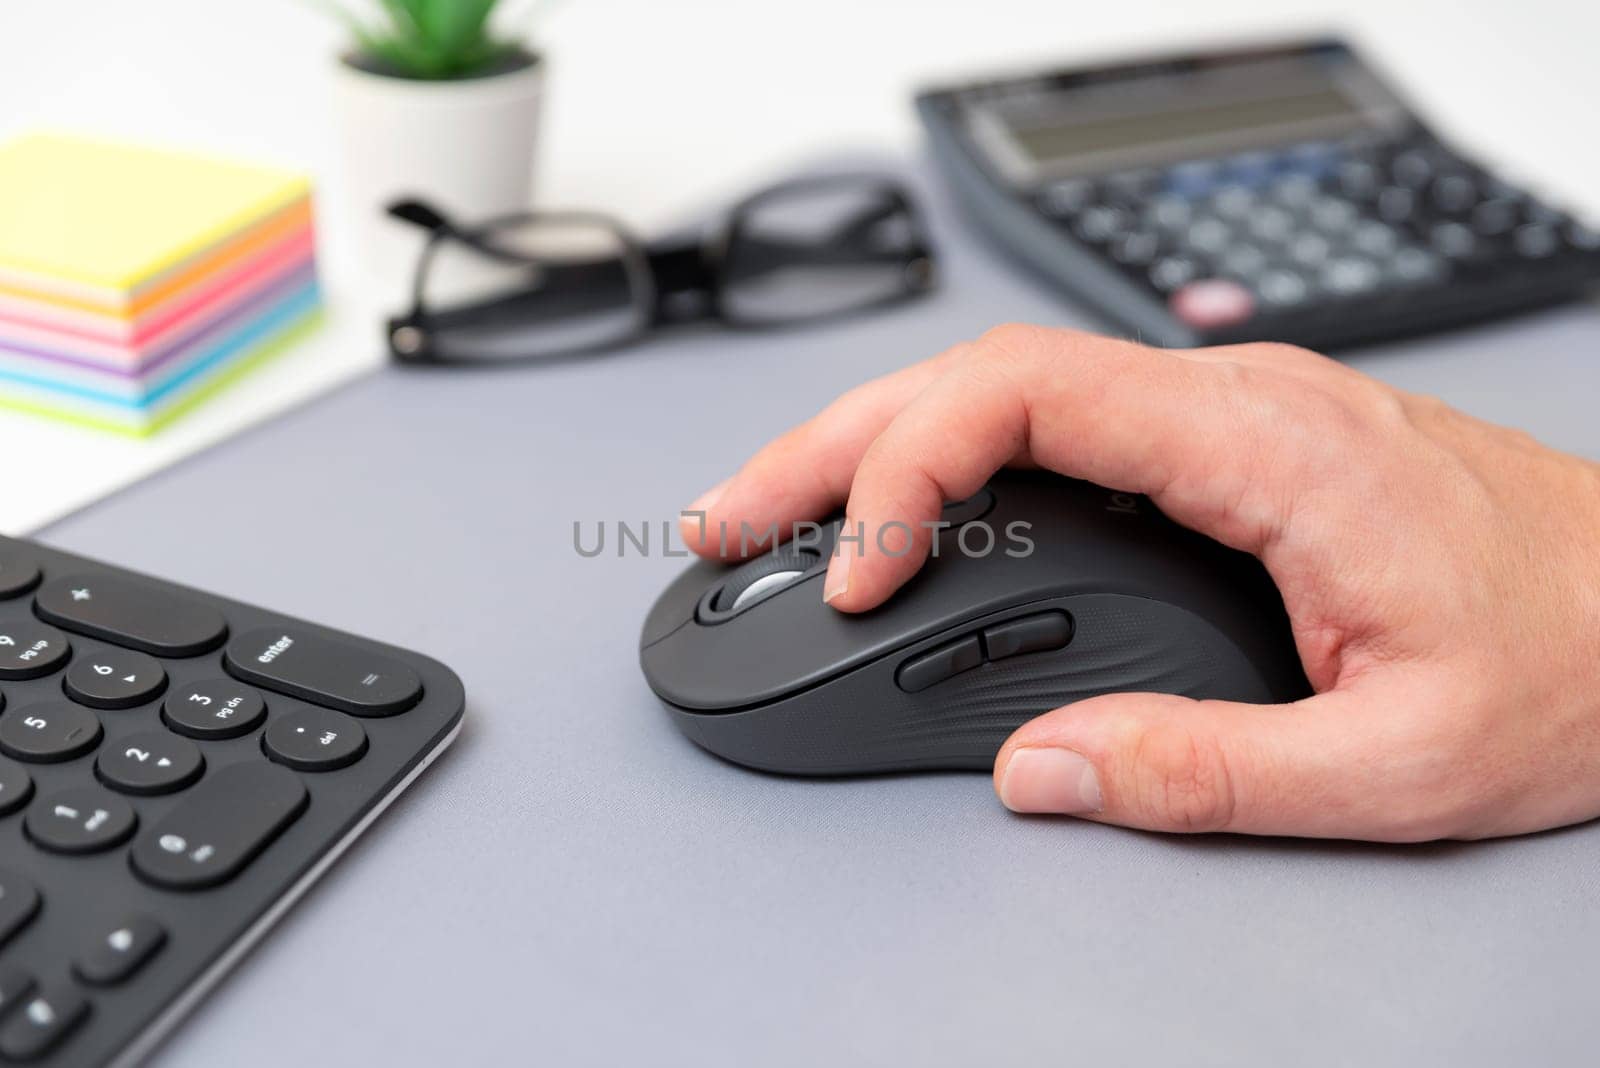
50,732
149,762
115,678
213,708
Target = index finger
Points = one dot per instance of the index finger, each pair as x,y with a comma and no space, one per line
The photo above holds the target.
1195,435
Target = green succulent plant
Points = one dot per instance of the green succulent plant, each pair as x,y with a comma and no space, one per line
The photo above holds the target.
432,40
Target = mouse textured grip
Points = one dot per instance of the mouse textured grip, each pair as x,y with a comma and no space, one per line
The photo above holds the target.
863,722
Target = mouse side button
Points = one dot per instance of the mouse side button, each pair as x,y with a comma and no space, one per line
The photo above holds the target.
923,671
1031,634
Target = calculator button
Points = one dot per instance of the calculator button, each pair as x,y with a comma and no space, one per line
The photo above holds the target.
1332,215
16,786
1244,261
15,984
1252,168
82,819
1169,213
48,733
314,739
115,678
1272,224
1131,187
18,903
118,953
1136,249
29,649
1100,224
149,762
131,613
18,575
1536,240
1172,273
1294,190
1350,275
1454,193
42,1021
1310,250
1412,265
1357,178
1412,169
325,671
1209,235
1282,288
1396,205
219,826
213,708
1452,239
1375,239
1495,217
1212,303
1234,202
1193,179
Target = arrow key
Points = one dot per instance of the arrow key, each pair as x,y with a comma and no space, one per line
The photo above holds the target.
115,678
149,762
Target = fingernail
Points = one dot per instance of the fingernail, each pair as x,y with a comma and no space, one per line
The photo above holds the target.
1050,780
704,502
838,580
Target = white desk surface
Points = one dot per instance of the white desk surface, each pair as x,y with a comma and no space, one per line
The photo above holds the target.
653,107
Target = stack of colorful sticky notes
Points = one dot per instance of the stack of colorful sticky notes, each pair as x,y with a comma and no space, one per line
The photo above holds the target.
135,283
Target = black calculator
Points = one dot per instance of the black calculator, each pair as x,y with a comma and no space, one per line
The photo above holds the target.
176,769
1271,193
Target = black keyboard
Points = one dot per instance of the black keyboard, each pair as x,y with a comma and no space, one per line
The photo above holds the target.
175,770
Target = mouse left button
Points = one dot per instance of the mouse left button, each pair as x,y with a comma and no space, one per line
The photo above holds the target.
925,670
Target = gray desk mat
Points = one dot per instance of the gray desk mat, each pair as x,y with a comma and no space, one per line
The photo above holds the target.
576,884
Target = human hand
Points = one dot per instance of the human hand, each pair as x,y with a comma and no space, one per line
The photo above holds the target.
1442,576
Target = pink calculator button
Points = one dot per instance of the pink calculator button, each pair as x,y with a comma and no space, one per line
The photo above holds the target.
1213,302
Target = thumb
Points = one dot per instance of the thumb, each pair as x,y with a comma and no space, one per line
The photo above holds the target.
1167,763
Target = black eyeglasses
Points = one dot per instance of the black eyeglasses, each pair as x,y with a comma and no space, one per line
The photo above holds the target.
544,284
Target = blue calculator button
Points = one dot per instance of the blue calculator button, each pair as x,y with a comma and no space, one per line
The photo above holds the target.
1195,178
1252,168
1314,158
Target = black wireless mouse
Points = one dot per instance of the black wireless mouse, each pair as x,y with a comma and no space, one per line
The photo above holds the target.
1044,591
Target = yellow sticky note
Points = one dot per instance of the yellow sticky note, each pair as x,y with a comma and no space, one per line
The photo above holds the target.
109,218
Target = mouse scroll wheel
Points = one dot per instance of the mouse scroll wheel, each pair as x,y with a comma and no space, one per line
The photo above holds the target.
762,575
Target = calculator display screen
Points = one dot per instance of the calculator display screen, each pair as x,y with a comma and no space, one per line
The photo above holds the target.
1160,112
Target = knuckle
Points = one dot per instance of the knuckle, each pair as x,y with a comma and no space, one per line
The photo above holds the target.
1181,779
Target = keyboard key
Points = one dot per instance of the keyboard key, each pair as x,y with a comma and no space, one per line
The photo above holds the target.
115,678
1169,212
48,733
1244,261
1208,235
16,786
1213,303
1234,202
1272,225
29,650
1193,179
15,984
1454,193
325,671
1136,249
1412,169
1396,205
1067,197
19,900
1310,250
18,574
1294,191
214,708
41,1022
136,614
219,826
315,739
149,762
82,819
115,955
1333,216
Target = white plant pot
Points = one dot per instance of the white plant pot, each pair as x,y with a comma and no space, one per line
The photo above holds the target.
466,146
